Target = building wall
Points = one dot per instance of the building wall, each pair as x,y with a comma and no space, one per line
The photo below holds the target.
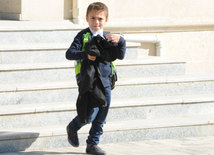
68,5
157,12
139,12
10,9
34,10
195,47
10,6
42,10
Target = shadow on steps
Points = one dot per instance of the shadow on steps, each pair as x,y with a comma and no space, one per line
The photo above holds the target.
16,141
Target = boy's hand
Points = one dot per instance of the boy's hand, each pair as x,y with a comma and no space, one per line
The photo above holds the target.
113,37
92,58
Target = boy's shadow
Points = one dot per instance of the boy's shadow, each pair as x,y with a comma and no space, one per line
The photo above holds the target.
49,153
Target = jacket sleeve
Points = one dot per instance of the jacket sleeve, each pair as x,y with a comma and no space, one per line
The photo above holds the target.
75,50
122,48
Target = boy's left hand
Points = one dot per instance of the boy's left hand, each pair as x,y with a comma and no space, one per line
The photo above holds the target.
113,37
92,58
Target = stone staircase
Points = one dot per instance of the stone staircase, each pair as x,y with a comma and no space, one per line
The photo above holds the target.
153,99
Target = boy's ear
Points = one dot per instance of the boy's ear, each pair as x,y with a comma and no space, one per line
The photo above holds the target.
106,19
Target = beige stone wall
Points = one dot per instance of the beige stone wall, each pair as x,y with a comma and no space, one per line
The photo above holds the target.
42,10
68,5
156,12
10,6
195,47
136,12
35,10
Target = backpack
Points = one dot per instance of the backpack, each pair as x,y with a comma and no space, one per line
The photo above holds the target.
113,76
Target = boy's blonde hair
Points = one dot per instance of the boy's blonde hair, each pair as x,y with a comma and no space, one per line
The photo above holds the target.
98,6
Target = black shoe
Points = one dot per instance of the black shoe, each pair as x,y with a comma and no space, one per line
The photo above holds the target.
72,137
94,149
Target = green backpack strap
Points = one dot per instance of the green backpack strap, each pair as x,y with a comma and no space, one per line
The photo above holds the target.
113,67
85,40
113,75
78,62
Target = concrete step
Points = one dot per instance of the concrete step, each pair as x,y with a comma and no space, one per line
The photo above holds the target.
117,131
22,26
37,72
180,146
33,53
45,52
23,37
47,92
43,72
164,86
150,66
21,116
24,42
36,39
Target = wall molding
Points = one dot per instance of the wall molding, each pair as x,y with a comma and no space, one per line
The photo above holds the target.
160,25
159,29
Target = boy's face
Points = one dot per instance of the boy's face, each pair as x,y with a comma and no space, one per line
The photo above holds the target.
96,20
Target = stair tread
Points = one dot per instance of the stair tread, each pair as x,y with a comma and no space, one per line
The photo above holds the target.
149,60
113,126
45,46
179,146
116,103
165,79
11,26
32,66
140,80
34,46
35,66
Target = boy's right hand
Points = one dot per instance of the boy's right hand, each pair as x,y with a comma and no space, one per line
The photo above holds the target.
115,38
92,58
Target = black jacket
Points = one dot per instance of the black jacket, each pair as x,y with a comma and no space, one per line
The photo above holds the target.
91,90
104,51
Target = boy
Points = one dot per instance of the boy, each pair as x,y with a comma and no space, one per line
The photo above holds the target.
96,16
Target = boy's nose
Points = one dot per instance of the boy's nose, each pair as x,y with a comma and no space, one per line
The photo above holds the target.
96,21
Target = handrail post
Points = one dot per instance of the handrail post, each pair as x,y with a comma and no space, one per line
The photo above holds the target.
146,39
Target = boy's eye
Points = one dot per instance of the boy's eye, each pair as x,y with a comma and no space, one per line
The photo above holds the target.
100,19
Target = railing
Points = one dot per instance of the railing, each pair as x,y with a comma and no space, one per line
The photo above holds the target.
145,39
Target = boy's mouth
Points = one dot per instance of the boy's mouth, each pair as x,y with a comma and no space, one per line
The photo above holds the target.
96,27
